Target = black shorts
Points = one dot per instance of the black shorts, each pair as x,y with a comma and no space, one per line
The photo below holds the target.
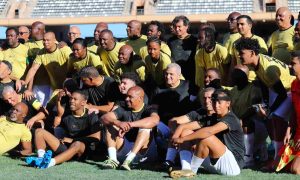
89,142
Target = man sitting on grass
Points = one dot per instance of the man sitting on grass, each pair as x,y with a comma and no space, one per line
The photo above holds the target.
82,132
220,146
13,130
129,131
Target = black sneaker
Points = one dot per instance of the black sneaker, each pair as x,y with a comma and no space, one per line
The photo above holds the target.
168,165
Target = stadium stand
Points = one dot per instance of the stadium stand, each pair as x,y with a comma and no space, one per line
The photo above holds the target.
3,4
203,6
294,5
70,8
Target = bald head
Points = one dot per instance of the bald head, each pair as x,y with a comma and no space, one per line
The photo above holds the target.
37,30
232,22
125,53
99,27
74,32
106,40
134,28
283,18
18,112
244,68
49,41
137,91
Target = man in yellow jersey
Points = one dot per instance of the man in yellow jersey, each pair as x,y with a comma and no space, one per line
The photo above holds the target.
109,50
128,62
210,55
135,39
81,57
281,40
245,24
13,130
93,46
24,34
155,28
16,53
233,34
276,76
53,59
41,82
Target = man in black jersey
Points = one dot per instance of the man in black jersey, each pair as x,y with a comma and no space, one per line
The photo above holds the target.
101,89
82,132
129,132
220,146
187,124
183,48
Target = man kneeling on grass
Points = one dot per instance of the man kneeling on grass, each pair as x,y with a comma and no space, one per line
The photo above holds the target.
82,133
129,132
220,147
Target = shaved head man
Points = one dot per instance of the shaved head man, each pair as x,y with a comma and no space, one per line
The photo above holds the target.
283,18
93,46
73,33
24,33
134,28
37,30
125,53
281,40
232,21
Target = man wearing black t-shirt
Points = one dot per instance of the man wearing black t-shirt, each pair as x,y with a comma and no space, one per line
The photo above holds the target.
129,131
183,47
187,124
101,89
220,146
82,132
36,112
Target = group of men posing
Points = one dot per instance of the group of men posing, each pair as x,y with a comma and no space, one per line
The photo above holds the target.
188,97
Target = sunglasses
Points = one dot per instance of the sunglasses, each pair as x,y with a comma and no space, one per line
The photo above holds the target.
21,33
231,19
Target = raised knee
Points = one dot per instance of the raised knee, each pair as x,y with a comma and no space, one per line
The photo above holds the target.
39,131
76,145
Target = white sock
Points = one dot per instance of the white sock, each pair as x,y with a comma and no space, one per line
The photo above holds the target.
40,153
52,163
171,154
130,156
196,163
112,153
277,145
249,145
185,159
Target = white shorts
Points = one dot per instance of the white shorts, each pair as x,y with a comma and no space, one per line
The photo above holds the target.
226,165
285,109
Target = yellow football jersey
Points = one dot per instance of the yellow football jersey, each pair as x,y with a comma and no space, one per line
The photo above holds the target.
11,134
164,48
156,70
136,44
109,58
270,70
33,49
263,50
228,41
282,44
92,47
215,59
91,59
137,66
55,64
18,57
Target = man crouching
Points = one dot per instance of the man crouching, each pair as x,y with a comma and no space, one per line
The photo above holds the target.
129,132
82,131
